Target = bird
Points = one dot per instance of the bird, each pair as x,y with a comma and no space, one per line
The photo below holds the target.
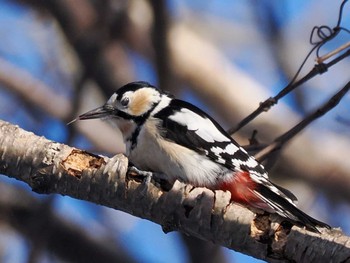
173,137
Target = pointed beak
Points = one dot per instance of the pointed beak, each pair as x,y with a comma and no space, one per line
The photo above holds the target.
98,113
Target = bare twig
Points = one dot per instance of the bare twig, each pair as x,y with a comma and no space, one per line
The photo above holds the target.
50,167
320,60
267,104
281,140
325,34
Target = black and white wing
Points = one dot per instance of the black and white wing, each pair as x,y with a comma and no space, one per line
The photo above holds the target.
189,126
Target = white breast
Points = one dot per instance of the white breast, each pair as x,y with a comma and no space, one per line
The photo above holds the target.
156,154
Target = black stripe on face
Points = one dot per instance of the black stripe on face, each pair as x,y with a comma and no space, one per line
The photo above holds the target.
139,120
124,115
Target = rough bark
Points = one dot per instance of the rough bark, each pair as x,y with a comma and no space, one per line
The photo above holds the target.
50,167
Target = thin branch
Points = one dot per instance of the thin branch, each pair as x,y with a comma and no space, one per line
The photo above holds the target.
50,167
322,59
267,104
281,140
325,34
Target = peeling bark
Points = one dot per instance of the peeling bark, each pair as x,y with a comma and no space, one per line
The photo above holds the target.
50,167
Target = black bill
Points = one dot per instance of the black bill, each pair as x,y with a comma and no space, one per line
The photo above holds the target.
98,113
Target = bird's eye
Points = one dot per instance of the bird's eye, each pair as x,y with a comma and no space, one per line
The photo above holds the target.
124,102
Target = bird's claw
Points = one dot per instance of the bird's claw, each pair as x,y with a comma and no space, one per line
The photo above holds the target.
135,172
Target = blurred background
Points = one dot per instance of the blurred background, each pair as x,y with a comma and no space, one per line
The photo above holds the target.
60,58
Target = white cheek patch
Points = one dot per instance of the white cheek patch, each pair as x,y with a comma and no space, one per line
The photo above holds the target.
202,126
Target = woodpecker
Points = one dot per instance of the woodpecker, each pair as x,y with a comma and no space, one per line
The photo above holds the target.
171,136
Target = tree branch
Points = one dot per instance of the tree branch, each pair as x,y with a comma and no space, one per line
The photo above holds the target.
332,53
284,138
50,167
267,104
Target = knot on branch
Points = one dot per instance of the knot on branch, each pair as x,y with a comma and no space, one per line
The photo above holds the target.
267,104
321,68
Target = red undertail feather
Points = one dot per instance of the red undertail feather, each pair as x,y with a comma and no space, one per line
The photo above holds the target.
268,197
242,191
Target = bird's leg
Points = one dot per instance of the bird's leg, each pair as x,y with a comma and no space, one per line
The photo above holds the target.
160,179
136,173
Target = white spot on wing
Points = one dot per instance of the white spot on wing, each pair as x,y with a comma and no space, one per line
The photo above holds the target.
251,162
221,160
231,148
259,178
216,150
202,126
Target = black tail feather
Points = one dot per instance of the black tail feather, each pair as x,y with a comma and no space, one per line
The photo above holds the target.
288,210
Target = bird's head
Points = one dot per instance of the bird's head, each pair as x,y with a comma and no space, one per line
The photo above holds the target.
131,102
